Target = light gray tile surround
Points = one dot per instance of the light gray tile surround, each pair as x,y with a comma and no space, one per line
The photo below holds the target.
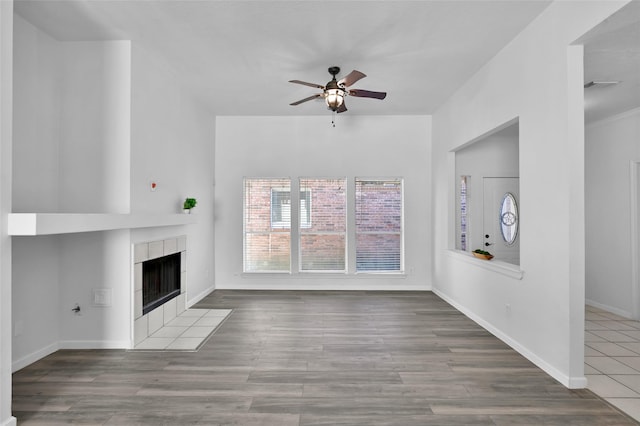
145,325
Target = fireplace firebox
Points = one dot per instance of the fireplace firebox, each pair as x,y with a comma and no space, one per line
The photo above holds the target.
160,281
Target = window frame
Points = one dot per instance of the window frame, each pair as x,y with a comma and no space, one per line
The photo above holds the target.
400,180
271,230
294,231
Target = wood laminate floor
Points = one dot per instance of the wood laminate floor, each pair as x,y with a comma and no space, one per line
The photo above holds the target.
311,358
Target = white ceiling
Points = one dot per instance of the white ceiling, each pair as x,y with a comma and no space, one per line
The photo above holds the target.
239,55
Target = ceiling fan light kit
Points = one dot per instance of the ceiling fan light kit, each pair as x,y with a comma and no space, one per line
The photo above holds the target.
334,98
335,91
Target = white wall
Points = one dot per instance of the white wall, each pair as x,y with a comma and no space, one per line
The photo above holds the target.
72,124
611,145
6,118
37,112
36,298
358,146
36,134
94,164
541,315
95,129
72,155
94,121
173,144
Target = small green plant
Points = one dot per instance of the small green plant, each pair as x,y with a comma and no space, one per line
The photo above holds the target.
482,252
189,203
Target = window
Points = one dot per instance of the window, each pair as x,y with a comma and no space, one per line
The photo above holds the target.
281,208
323,224
509,218
463,212
320,237
379,225
305,207
267,225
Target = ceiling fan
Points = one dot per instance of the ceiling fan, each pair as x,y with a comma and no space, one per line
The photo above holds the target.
335,91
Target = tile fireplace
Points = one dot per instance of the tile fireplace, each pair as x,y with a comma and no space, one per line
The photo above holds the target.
160,272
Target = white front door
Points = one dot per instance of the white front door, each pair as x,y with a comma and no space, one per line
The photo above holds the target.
501,217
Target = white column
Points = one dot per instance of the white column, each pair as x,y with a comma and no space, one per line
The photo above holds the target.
6,113
575,135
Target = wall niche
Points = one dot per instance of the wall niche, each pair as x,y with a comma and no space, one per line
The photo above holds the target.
487,173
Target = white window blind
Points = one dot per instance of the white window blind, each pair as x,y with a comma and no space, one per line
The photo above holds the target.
267,225
323,224
379,225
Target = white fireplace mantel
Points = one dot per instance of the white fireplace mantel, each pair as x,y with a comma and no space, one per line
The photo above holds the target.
26,224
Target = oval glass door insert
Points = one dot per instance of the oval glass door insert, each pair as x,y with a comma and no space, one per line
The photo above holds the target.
509,219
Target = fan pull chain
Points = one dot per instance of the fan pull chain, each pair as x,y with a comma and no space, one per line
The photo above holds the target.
333,118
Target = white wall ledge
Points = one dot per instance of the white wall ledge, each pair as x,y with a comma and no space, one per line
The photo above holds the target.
498,266
29,224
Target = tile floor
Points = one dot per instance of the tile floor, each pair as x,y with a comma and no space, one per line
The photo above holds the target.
612,359
186,332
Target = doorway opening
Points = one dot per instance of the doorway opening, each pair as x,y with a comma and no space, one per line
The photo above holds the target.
611,50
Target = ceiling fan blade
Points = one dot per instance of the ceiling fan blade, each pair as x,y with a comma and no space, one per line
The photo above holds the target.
341,108
367,94
351,78
306,99
317,86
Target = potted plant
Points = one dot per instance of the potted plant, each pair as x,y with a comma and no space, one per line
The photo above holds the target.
188,204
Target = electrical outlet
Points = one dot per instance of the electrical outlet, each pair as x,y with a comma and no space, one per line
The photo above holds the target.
507,308
102,297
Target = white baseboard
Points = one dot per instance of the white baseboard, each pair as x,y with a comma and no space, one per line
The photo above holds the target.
567,381
307,286
577,383
95,344
608,308
34,356
11,421
200,296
